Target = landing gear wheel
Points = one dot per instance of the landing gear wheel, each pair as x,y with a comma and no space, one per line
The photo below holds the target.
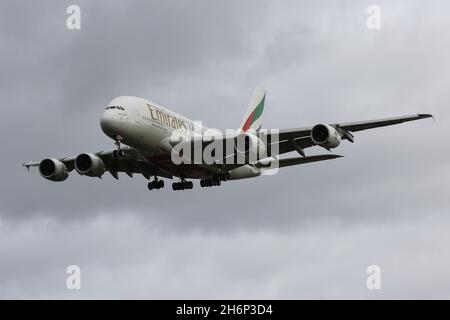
182,185
156,184
210,182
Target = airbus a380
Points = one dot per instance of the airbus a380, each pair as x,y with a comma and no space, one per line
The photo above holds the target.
146,136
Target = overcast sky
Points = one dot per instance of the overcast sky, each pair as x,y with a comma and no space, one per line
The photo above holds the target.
309,231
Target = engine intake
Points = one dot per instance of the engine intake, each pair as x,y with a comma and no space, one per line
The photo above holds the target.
325,136
90,165
53,170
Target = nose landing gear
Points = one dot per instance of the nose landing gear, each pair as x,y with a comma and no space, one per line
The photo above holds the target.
119,152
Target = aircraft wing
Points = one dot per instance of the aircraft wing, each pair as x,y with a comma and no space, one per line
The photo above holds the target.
364,125
287,162
132,162
68,161
299,138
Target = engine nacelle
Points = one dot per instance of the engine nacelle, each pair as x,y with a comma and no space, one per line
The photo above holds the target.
243,172
250,143
53,170
325,136
90,165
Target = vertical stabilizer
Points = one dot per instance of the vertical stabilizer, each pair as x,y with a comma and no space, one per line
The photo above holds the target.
253,116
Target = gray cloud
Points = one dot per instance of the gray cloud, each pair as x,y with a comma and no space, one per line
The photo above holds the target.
147,262
202,59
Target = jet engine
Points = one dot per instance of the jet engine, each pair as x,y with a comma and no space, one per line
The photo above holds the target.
325,136
243,172
90,165
53,170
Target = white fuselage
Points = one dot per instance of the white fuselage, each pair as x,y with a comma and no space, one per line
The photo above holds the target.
147,127
142,124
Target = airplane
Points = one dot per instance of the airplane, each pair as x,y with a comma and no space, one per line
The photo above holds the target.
143,133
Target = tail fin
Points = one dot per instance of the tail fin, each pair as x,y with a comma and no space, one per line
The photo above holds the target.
253,115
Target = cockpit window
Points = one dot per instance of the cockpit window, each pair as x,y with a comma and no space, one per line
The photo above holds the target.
115,107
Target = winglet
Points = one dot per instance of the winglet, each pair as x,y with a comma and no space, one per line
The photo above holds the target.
425,115
26,166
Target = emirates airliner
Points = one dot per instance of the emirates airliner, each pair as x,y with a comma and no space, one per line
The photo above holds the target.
155,142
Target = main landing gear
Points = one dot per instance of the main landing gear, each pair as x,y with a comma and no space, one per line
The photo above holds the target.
210,182
182,185
119,152
156,184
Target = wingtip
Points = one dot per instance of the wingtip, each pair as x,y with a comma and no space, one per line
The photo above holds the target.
425,115
333,156
27,164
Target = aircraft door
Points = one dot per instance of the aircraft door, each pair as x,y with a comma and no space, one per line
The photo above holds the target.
137,116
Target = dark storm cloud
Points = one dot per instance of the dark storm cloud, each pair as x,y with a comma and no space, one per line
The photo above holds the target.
166,53
121,49
203,59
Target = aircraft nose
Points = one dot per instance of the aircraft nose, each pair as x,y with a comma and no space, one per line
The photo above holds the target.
109,123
